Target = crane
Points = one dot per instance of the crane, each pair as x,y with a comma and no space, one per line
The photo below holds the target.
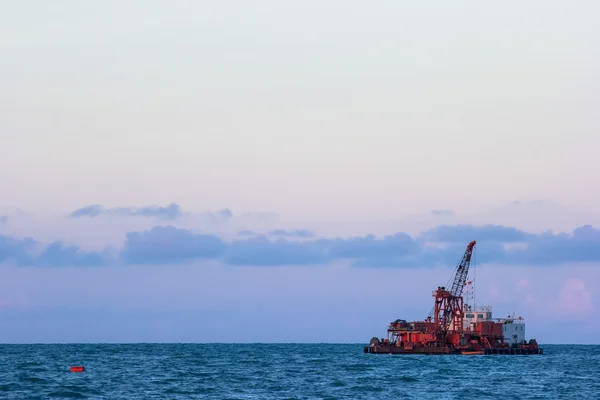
449,304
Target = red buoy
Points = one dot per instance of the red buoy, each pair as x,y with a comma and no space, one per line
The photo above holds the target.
78,368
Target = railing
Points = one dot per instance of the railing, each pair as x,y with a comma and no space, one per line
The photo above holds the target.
510,320
476,309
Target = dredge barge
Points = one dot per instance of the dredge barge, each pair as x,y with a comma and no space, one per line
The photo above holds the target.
456,328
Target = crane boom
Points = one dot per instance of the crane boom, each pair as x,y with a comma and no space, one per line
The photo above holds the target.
462,271
450,303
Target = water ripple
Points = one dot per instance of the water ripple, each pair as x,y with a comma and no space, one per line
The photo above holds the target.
289,371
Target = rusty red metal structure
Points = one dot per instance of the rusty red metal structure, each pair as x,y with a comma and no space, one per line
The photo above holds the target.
447,333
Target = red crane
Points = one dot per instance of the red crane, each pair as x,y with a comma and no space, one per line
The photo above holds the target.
448,308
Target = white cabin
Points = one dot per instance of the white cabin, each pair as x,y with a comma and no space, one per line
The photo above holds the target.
513,329
475,314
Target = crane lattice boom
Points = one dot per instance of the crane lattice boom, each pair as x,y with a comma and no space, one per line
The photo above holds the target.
462,271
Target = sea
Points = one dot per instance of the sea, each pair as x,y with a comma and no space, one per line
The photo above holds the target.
290,371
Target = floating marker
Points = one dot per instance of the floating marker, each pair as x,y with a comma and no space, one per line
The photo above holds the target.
77,368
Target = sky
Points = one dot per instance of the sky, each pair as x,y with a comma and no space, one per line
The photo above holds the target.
310,170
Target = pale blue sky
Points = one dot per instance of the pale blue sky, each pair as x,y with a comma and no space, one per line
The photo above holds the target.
345,118
306,108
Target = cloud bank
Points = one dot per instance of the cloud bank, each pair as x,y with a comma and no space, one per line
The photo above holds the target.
298,233
167,244
443,245
170,212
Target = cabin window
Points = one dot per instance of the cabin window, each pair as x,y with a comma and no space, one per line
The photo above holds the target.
470,316
479,315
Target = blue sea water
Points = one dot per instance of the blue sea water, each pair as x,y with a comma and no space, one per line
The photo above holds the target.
290,371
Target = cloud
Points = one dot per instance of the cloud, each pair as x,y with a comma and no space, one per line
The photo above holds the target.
574,299
28,252
3,219
171,245
89,211
442,246
442,212
548,248
167,244
58,254
17,250
485,233
369,246
169,212
534,203
399,250
299,233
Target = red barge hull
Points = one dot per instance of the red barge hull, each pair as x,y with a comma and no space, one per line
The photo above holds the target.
386,349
